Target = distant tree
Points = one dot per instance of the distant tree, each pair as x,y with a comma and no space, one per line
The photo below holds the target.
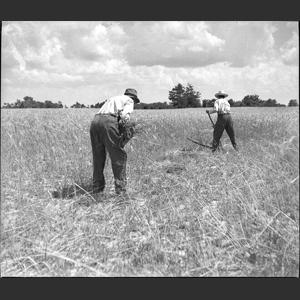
140,105
261,103
271,102
155,105
28,102
76,105
183,102
176,95
48,104
251,100
98,105
231,102
159,105
192,97
182,97
18,104
238,103
7,105
208,103
40,104
293,102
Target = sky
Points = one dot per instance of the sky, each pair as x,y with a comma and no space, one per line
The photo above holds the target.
91,61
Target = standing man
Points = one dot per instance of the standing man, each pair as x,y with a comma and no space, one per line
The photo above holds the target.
105,136
224,121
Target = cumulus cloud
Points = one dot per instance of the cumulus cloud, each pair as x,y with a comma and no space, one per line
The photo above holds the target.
292,24
247,43
6,81
290,50
172,44
19,58
93,44
51,45
32,44
100,59
198,44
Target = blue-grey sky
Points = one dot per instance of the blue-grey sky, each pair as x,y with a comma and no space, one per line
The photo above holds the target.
89,62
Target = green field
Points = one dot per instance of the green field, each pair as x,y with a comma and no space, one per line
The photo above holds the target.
191,212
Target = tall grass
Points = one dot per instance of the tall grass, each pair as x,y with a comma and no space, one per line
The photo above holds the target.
191,212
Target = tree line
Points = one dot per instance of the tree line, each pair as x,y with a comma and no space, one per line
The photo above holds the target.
179,96
184,97
28,102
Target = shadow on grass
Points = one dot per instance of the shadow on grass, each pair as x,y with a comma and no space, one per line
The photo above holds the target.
72,191
85,196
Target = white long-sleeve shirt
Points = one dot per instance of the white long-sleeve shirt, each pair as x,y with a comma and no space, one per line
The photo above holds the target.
221,106
122,104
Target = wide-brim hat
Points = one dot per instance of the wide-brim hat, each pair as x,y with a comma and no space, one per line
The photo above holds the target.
132,93
221,93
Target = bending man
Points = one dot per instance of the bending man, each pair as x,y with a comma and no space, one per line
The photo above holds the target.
105,136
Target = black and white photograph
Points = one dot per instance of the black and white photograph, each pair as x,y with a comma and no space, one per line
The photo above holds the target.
150,148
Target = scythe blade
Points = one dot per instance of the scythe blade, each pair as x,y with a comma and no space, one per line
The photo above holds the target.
203,145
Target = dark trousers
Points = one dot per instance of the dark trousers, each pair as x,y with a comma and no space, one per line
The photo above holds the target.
224,122
105,138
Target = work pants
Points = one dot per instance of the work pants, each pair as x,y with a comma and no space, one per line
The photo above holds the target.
224,121
105,138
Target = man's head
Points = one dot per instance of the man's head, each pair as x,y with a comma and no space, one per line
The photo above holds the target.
221,94
132,93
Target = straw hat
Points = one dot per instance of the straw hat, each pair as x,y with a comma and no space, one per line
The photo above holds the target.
221,93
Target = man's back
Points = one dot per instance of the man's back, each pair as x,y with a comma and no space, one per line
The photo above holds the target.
222,106
116,104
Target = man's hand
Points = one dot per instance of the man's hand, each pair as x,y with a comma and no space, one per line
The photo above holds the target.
126,130
126,118
207,111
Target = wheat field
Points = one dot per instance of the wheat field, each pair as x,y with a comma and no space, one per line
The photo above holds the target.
191,213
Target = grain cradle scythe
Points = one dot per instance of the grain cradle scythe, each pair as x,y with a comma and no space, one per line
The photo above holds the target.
203,145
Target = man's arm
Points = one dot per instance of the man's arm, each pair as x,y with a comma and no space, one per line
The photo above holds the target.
215,109
212,111
127,110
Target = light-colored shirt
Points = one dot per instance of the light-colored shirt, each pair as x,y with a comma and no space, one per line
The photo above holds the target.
222,106
122,104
